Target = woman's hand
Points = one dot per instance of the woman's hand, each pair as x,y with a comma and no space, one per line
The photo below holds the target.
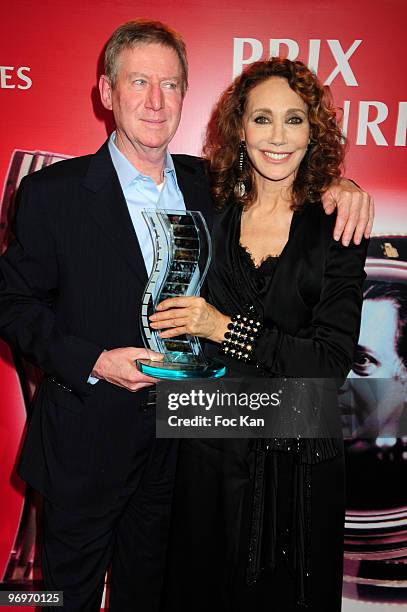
189,315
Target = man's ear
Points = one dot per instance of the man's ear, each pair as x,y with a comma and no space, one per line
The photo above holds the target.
105,91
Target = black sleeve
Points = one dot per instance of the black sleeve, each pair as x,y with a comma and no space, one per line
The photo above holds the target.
325,349
28,290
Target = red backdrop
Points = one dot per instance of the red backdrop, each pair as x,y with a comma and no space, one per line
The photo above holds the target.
51,55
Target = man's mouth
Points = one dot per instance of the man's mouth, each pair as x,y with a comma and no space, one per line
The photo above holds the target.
154,121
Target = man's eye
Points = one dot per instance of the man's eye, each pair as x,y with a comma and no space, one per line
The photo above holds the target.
261,119
295,120
364,364
170,85
139,82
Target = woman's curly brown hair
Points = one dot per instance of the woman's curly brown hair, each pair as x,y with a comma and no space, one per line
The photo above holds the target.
320,165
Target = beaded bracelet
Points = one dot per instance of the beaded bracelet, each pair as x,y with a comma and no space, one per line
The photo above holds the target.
240,341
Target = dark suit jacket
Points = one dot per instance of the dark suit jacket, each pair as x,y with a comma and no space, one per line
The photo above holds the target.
71,286
311,307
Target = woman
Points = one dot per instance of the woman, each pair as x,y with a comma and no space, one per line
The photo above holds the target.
258,524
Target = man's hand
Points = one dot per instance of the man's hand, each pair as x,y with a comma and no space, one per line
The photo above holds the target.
118,367
189,315
355,211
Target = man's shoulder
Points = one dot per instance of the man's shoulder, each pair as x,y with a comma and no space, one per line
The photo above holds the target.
72,170
75,167
189,162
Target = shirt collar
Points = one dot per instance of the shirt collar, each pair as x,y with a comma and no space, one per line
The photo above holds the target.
126,172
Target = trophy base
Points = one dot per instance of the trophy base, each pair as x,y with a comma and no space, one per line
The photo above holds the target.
172,370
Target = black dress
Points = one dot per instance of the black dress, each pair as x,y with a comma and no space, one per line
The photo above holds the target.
258,524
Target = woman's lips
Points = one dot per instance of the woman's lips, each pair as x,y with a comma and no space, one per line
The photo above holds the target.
276,158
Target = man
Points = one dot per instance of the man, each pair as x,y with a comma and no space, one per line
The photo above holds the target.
378,379
70,291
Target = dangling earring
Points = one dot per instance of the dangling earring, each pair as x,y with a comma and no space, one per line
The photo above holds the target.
240,187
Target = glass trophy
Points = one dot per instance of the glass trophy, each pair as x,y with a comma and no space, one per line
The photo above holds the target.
182,254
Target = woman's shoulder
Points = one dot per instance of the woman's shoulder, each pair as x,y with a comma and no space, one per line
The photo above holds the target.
316,220
228,210
314,211
318,227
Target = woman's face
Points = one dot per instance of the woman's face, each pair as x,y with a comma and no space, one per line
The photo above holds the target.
276,130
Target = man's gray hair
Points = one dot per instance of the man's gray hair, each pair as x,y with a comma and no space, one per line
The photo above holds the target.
143,31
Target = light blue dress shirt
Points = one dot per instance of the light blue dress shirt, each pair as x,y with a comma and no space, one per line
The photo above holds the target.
141,192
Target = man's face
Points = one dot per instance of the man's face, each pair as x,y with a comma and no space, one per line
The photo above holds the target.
146,100
376,353
378,400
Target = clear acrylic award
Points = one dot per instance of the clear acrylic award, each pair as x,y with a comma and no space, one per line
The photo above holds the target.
182,254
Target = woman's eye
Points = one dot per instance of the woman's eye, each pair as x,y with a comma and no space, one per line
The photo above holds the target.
295,120
261,119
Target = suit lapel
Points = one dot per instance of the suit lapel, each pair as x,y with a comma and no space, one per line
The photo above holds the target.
109,210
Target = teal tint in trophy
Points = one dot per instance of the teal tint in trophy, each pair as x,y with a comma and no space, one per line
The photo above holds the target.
182,254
